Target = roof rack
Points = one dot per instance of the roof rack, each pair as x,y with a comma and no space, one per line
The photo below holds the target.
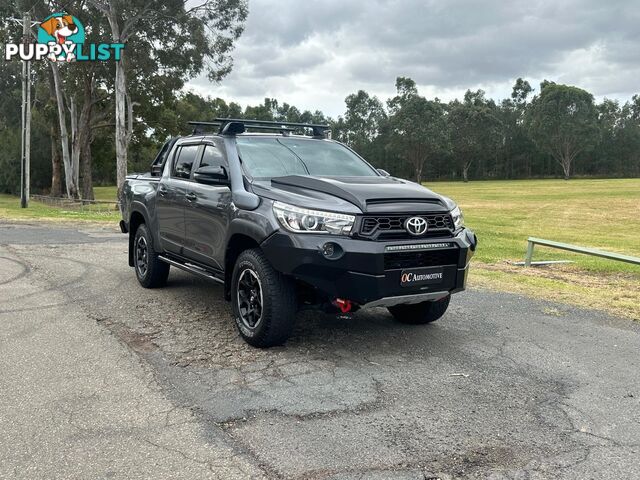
234,126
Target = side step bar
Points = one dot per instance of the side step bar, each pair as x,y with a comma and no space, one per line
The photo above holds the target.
189,267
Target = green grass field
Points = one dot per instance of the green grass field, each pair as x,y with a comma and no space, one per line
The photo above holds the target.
10,209
594,213
107,194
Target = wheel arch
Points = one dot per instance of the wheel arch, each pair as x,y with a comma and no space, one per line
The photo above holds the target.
137,218
238,243
243,233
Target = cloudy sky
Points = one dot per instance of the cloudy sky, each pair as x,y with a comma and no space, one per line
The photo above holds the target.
312,54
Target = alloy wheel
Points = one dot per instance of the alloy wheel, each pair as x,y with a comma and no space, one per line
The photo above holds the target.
249,298
142,256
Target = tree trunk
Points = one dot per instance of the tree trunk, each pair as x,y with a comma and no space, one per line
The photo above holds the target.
75,140
566,167
118,35
56,163
84,138
69,174
416,158
85,170
56,159
121,126
465,171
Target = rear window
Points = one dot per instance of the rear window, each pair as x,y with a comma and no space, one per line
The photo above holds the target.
265,158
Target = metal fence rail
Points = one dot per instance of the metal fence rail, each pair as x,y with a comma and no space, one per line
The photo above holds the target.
576,249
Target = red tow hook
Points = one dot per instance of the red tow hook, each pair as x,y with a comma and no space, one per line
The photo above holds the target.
344,305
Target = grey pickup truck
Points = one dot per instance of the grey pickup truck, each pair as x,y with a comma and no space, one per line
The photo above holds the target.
287,219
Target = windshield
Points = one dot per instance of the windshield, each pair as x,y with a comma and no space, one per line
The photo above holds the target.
265,158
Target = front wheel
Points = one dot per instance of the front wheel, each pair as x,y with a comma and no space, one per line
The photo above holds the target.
420,313
263,301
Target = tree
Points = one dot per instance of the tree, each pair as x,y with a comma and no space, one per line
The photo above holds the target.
562,121
70,158
627,138
362,121
475,130
212,26
10,129
417,126
521,90
515,151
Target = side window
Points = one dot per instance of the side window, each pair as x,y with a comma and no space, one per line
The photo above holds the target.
184,161
212,157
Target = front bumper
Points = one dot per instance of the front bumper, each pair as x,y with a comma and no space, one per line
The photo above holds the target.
361,274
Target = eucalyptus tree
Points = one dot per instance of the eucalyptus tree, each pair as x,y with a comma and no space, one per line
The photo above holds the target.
362,120
417,126
475,130
170,42
563,122
517,150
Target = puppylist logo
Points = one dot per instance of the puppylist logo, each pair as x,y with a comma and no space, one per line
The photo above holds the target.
61,38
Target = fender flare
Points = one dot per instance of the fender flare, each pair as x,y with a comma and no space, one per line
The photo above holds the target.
253,233
248,228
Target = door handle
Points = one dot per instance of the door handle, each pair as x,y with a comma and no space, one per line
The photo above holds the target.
191,197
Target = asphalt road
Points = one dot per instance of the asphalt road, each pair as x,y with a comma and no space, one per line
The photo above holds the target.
100,378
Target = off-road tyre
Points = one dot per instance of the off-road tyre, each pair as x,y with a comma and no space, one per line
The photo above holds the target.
273,319
151,272
420,313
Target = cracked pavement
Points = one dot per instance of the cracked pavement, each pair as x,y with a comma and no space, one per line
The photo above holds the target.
103,379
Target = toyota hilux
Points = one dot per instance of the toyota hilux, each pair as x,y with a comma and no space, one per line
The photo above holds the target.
287,219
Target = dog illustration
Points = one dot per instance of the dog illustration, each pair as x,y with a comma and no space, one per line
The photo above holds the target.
60,28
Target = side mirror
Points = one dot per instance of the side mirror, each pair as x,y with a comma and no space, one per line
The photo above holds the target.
384,173
156,170
211,175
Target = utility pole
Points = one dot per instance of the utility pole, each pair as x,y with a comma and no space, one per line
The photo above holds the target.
26,117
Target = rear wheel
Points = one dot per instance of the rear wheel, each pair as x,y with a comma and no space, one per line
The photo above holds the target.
263,301
420,313
150,270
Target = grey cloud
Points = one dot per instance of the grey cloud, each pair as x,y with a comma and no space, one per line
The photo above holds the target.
318,52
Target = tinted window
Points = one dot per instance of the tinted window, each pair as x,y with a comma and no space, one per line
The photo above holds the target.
184,162
212,157
275,157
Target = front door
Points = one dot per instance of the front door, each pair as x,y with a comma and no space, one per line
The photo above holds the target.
206,214
171,198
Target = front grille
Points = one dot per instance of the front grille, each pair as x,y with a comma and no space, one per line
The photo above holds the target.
392,226
427,258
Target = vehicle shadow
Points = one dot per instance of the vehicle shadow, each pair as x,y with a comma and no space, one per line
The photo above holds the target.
202,331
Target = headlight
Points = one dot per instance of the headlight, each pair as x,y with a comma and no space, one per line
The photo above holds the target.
458,219
302,220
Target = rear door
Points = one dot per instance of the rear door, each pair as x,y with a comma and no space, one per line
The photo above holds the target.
171,198
206,212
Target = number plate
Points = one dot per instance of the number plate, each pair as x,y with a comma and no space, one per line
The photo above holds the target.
415,277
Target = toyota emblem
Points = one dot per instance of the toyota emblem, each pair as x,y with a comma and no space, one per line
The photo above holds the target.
416,226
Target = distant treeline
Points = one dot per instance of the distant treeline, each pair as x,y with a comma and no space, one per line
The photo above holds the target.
557,131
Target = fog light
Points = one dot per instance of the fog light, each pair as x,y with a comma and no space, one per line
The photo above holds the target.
331,251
